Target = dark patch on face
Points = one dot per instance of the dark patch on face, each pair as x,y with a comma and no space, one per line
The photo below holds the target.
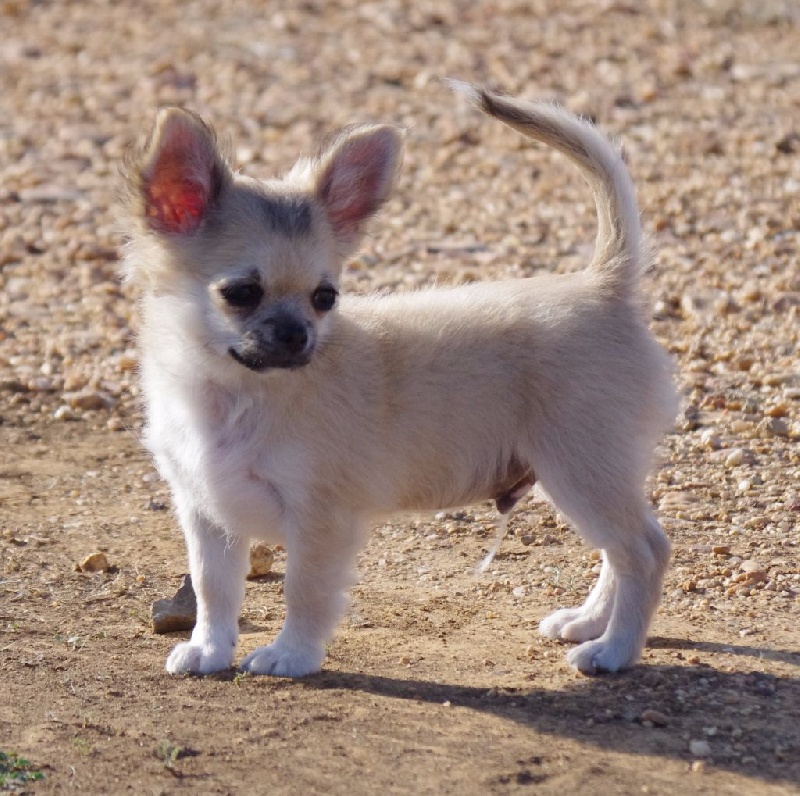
287,215
282,343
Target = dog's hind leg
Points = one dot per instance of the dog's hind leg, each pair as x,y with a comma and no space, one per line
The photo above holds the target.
637,573
613,622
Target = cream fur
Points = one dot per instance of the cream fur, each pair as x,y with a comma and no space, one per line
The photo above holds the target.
419,401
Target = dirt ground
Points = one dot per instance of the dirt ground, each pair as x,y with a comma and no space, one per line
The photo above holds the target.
437,681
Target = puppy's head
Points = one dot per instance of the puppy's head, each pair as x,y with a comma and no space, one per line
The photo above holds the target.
252,268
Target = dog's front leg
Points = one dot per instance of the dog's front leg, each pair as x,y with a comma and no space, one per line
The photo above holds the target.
319,569
218,564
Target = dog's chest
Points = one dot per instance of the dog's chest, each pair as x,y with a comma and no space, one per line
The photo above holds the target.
228,462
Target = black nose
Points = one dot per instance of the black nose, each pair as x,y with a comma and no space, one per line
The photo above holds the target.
291,335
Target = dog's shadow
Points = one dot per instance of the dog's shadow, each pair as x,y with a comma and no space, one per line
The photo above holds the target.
727,709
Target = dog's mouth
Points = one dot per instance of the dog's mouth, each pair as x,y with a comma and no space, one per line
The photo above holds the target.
260,361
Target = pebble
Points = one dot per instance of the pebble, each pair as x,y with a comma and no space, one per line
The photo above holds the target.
176,613
261,560
709,439
699,748
773,427
96,562
655,717
128,361
90,400
734,458
777,410
65,413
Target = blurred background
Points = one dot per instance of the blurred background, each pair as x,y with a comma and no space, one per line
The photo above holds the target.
704,96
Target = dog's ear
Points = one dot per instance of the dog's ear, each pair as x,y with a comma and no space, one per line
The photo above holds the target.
354,176
179,175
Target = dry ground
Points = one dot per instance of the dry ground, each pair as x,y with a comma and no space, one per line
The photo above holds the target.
436,681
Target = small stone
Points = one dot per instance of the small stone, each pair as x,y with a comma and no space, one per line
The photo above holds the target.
699,748
96,562
698,766
750,566
128,361
41,384
690,419
773,427
178,612
655,717
90,400
734,458
721,550
261,559
64,413
777,410
708,439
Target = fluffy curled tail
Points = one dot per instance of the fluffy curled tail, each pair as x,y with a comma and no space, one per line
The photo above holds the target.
618,252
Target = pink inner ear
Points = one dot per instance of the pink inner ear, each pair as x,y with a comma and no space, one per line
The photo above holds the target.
356,181
177,191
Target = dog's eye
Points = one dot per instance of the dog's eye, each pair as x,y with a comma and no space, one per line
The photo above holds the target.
323,298
243,295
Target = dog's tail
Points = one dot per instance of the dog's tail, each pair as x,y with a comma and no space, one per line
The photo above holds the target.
619,250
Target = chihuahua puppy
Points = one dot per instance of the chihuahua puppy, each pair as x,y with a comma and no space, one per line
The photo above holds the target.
280,410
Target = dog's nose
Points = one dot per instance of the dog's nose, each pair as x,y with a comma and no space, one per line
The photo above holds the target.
291,335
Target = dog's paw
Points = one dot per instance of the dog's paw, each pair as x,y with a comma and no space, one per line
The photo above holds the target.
573,624
552,626
189,658
280,660
600,656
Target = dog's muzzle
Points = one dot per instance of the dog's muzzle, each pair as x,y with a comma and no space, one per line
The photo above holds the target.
288,345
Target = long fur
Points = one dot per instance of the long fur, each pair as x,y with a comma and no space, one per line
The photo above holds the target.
420,401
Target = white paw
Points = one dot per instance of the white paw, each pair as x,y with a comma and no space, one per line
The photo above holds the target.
189,658
600,656
281,660
552,625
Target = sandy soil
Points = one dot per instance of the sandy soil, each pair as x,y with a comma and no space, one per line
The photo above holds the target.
437,681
